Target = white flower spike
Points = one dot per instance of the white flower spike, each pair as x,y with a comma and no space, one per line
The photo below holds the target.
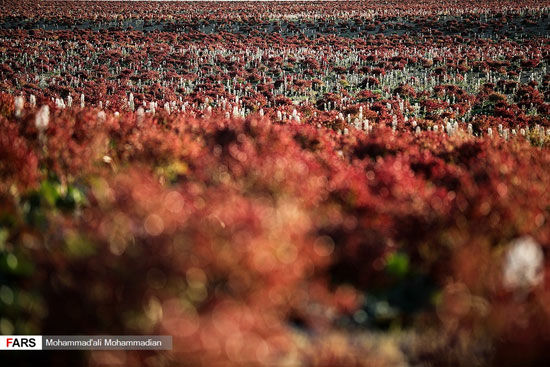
523,265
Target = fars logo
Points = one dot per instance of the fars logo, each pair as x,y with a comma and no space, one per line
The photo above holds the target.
20,342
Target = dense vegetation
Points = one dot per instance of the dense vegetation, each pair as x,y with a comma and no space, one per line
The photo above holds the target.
286,184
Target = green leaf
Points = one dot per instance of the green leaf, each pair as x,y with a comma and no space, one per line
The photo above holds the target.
11,263
3,237
397,264
49,192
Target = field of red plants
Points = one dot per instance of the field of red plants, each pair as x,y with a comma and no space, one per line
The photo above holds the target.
320,184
